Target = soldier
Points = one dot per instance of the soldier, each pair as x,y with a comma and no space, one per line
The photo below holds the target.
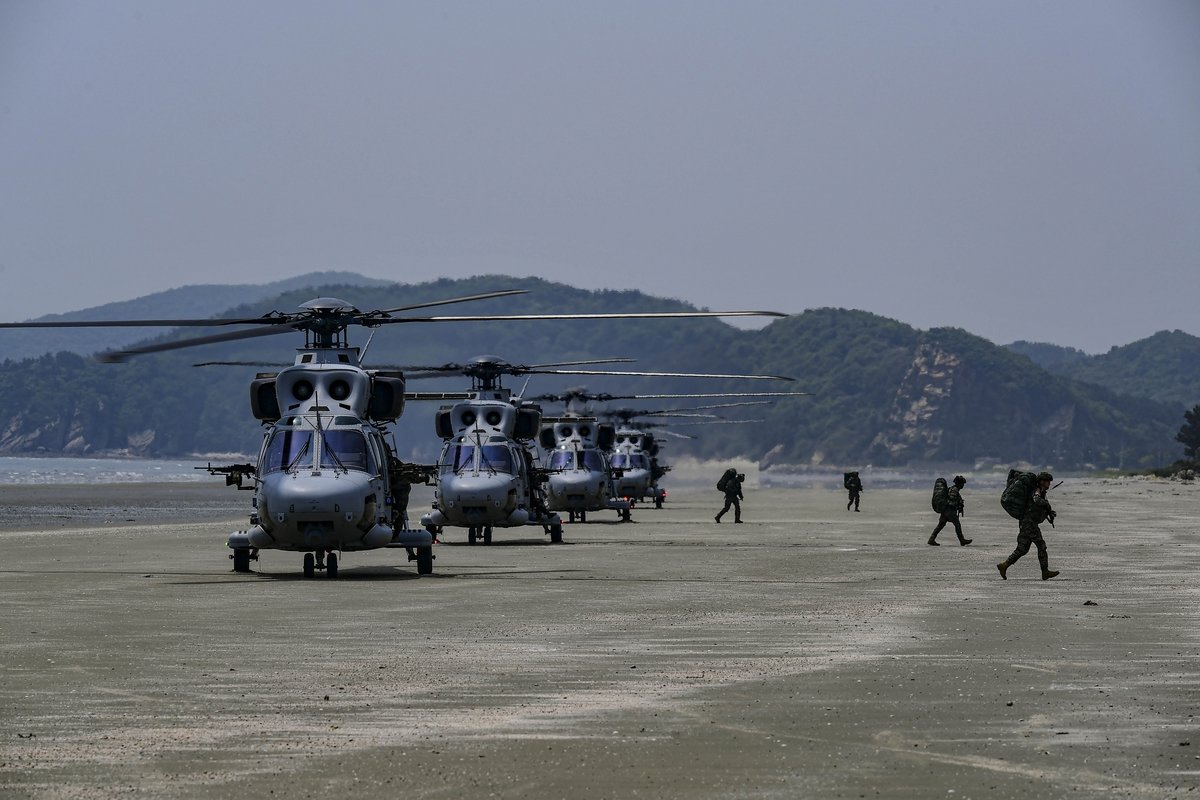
731,485
1030,533
854,486
954,509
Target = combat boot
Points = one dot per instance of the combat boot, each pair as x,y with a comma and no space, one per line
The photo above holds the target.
965,542
1003,567
1047,574
933,542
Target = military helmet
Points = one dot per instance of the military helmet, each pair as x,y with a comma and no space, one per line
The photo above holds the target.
1045,476
960,481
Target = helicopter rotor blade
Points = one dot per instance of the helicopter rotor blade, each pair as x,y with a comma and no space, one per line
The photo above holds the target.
659,374
630,315
437,396
466,299
271,364
274,318
579,363
607,398
118,356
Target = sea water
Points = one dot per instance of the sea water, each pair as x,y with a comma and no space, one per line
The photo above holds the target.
33,469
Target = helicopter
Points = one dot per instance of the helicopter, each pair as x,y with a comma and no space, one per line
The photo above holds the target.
327,479
580,447
488,474
629,452
636,447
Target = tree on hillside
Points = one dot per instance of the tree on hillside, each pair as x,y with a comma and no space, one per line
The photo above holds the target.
1189,434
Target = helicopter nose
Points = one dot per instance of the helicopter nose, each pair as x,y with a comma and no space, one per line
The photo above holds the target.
478,499
307,502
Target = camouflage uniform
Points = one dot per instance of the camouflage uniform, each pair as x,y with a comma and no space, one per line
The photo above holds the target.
1030,534
854,486
954,508
733,493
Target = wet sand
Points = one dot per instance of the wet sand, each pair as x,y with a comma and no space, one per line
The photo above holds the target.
810,652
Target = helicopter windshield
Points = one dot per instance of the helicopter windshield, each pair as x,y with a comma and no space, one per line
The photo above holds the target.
458,457
345,449
562,459
593,461
286,449
625,461
495,458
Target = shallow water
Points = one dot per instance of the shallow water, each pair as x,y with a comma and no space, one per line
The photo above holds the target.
58,470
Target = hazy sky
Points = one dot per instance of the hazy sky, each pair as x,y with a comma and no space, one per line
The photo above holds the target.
1024,170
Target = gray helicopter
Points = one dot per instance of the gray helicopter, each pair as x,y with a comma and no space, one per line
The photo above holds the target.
488,474
636,447
327,480
580,452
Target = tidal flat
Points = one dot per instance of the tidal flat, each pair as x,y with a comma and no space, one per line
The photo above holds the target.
810,652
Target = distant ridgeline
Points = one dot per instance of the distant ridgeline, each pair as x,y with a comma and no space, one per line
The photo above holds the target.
883,393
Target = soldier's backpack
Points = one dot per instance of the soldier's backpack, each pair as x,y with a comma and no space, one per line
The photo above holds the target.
723,484
846,476
1018,492
941,495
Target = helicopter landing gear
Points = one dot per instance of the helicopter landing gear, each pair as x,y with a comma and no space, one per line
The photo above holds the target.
624,515
487,535
424,560
658,501
472,535
310,565
241,559
556,534
331,565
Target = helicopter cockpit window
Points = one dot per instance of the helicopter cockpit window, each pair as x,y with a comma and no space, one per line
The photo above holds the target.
495,458
346,449
593,461
288,449
562,459
459,457
621,461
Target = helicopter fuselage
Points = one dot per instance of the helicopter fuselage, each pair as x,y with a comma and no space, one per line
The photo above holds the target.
323,479
581,477
486,475
636,470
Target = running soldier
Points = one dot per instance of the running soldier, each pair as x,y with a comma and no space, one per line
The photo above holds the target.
1030,534
954,509
731,485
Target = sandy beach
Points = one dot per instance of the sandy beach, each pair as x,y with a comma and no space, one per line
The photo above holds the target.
810,652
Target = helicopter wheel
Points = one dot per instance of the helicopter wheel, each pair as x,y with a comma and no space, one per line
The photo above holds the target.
556,534
241,560
658,502
331,565
624,515
472,534
583,516
487,535
424,560
310,565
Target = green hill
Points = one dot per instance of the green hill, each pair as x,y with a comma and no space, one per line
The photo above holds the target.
882,392
1163,367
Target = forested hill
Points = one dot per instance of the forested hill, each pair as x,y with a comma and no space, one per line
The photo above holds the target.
882,392
1165,366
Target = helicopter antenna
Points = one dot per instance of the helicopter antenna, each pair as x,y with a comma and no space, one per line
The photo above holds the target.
370,338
